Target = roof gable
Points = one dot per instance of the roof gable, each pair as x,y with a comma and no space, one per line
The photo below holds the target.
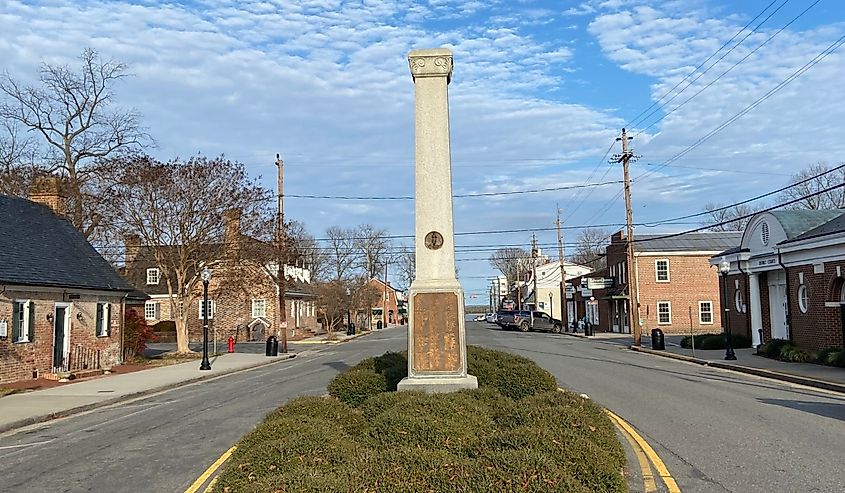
38,248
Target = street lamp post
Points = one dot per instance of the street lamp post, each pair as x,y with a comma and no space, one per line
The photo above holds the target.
724,268
551,306
205,275
348,313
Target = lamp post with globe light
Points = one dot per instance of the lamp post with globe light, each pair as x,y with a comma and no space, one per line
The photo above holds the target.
551,305
205,275
724,268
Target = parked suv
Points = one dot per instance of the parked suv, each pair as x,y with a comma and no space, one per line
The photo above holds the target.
504,318
537,321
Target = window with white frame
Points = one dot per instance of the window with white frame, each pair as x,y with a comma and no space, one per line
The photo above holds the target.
153,276
705,312
664,312
259,308
803,298
661,269
103,319
23,321
151,310
202,311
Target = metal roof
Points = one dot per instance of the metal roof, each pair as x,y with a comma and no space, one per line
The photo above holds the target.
835,225
706,241
797,222
39,248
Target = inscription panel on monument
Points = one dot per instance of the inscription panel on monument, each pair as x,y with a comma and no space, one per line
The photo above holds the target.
436,333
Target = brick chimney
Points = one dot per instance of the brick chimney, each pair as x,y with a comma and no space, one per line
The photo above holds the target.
133,247
232,233
49,191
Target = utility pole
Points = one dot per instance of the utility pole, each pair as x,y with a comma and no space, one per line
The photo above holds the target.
384,299
564,319
534,254
280,255
518,285
633,302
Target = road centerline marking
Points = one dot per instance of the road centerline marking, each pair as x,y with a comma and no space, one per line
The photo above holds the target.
662,471
211,469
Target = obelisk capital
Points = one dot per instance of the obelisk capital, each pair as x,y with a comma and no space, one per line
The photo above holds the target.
435,62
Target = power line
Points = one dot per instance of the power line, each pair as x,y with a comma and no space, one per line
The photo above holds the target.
457,196
731,67
670,91
815,60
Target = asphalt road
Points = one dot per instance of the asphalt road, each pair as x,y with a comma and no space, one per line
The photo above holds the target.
716,430
163,442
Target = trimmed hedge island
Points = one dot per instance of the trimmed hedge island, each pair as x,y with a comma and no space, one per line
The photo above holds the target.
516,432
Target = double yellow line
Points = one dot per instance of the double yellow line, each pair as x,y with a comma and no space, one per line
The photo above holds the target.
644,454
195,487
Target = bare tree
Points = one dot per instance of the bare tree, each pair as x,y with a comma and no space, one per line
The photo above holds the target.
590,248
342,253
333,303
179,210
406,262
509,261
373,245
303,248
17,161
718,214
811,188
77,124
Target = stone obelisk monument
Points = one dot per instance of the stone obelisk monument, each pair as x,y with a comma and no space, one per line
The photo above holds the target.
437,360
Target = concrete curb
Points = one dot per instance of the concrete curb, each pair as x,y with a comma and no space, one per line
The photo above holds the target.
108,402
339,341
760,372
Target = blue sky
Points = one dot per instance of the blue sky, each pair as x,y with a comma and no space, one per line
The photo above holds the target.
540,90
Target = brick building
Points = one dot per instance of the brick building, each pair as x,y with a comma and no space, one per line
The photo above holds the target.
786,278
677,289
61,303
390,299
242,304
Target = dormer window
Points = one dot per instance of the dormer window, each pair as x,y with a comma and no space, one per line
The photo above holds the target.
153,276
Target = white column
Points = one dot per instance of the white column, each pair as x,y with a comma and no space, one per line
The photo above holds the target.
756,310
436,332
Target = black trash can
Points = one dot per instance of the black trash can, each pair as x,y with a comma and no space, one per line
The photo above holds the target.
272,346
378,325
350,329
657,340
588,328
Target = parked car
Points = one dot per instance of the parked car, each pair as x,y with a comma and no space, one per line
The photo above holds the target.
537,321
504,318
479,318
490,318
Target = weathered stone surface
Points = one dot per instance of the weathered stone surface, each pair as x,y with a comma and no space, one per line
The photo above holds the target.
436,332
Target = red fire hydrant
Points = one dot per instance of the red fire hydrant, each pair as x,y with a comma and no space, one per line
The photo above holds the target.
231,344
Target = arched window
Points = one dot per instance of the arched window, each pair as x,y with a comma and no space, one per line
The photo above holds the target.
764,233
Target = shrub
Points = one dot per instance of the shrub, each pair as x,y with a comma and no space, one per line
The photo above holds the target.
513,376
715,341
828,355
553,442
789,352
165,326
838,359
136,334
771,349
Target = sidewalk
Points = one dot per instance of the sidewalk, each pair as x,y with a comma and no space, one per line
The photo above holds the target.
42,405
819,376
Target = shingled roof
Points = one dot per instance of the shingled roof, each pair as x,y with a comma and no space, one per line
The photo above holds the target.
835,225
39,248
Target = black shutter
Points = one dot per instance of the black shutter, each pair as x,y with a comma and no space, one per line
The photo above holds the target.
99,324
108,319
16,320
31,327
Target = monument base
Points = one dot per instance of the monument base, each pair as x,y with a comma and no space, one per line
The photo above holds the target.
433,385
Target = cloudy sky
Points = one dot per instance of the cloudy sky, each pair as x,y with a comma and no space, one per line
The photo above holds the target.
539,92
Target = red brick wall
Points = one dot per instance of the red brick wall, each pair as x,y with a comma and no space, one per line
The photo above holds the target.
18,361
765,312
740,322
691,279
821,326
